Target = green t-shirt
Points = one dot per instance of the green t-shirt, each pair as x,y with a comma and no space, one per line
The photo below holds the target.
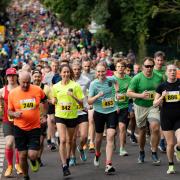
161,72
66,106
123,86
141,83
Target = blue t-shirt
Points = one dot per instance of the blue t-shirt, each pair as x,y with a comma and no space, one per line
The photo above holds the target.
106,103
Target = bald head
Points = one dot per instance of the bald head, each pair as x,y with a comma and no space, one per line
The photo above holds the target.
24,80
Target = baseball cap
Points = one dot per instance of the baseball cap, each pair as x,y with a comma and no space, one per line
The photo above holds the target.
11,71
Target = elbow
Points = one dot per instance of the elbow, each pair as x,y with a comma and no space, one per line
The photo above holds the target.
89,102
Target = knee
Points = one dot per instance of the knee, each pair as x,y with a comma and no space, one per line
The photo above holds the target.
155,129
122,127
62,141
33,156
9,145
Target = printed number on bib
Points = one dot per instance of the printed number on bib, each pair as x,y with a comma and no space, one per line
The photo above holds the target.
122,97
28,104
107,103
151,95
65,106
80,107
172,96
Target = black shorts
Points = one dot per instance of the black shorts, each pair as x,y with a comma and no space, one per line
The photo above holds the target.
101,119
170,121
27,140
51,109
123,116
82,118
70,123
8,129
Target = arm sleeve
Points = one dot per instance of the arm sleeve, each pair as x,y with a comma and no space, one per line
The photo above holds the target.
78,92
159,89
91,90
133,84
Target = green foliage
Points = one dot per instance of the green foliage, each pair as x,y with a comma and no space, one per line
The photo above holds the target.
4,4
128,23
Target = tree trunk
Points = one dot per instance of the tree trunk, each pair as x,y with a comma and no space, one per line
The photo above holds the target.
142,49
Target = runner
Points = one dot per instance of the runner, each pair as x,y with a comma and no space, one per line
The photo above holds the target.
142,88
168,95
159,60
37,80
66,95
82,121
103,101
8,127
90,74
123,120
23,106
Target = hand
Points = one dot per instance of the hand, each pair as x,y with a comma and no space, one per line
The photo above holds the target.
145,95
54,101
117,95
100,94
17,114
70,92
164,93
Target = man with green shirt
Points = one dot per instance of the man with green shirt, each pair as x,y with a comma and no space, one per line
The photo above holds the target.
142,88
159,68
123,120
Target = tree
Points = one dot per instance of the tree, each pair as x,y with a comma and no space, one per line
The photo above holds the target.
129,23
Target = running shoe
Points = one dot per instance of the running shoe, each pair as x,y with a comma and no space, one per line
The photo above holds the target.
123,152
8,171
40,162
72,161
109,169
133,139
83,156
18,169
91,148
53,147
141,157
96,161
162,146
155,159
171,169
177,153
34,165
66,171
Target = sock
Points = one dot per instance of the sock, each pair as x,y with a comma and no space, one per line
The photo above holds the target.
53,140
171,163
98,154
108,162
49,141
17,156
9,156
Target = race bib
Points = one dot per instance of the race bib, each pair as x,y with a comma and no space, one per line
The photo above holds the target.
28,104
80,107
65,106
122,97
172,96
151,95
107,103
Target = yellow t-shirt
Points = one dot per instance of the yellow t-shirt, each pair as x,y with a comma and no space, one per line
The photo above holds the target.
66,106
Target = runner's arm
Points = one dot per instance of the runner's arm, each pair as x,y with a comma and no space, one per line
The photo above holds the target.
159,98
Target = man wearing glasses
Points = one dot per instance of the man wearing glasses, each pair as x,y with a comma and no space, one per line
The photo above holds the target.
142,89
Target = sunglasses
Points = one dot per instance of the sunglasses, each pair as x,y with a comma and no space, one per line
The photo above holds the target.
148,66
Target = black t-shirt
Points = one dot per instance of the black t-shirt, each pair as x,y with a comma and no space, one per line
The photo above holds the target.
172,99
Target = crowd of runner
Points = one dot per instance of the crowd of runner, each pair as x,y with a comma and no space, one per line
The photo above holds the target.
60,83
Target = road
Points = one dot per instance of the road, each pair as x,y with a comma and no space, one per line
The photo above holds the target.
127,167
